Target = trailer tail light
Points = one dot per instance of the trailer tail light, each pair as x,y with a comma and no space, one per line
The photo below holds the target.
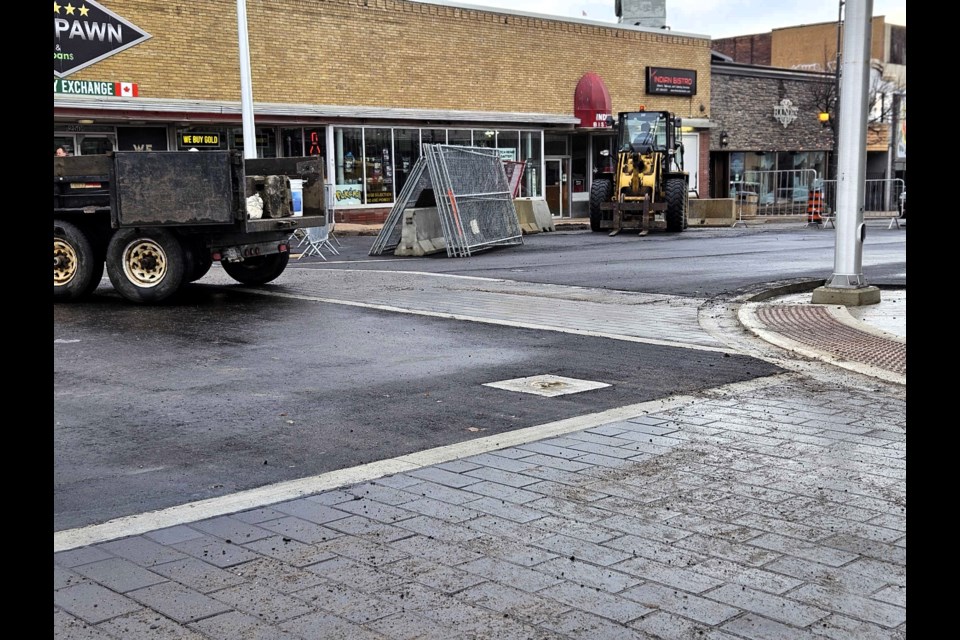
283,247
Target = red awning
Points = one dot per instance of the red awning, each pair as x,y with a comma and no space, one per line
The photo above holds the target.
591,101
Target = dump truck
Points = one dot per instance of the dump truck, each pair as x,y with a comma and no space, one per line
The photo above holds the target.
157,220
644,187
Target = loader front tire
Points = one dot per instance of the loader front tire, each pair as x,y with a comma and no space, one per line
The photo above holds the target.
600,191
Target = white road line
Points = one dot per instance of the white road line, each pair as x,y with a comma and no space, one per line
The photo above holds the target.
495,321
272,494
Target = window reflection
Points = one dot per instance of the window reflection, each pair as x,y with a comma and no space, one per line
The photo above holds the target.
406,144
372,164
531,153
378,158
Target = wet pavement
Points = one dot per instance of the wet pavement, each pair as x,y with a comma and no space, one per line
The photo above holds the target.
773,508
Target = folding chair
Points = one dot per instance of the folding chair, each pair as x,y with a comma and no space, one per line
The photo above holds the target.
317,240
299,236
331,213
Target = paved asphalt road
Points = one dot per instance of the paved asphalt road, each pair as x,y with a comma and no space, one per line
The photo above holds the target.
766,501
232,388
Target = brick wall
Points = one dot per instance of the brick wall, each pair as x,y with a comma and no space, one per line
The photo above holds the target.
744,107
752,49
392,53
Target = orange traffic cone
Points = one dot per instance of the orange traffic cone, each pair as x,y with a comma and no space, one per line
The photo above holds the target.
815,207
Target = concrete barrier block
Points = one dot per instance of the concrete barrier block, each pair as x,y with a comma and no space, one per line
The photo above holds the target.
712,212
420,233
534,215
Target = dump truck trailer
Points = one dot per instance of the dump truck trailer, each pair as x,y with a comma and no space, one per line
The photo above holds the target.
157,220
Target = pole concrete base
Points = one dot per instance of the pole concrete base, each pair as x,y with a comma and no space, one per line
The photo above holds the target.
856,297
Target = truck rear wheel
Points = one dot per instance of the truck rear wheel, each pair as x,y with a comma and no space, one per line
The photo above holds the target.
676,204
76,269
258,270
198,260
145,265
600,191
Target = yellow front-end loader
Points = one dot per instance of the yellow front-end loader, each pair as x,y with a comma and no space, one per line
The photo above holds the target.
646,188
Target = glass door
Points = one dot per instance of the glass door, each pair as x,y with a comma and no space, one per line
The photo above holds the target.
557,192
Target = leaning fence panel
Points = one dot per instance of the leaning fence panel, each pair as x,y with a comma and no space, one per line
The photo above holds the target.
472,195
480,197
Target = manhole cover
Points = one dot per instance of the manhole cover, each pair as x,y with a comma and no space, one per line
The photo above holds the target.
548,386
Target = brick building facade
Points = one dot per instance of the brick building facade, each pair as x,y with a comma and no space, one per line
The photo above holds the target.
814,47
384,69
768,120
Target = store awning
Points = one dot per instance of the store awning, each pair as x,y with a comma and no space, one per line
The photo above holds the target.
591,102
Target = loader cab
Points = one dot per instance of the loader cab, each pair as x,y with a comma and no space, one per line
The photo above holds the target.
651,131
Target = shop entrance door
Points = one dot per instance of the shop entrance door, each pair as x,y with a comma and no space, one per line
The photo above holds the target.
557,192
691,161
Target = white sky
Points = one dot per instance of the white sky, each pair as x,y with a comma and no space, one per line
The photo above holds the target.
714,18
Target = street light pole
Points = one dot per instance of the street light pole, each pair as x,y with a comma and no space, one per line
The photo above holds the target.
847,286
246,84
836,91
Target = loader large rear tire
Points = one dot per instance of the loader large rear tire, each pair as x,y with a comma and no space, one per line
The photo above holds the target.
676,213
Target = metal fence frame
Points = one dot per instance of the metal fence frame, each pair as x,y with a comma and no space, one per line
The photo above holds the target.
881,199
789,192
472,194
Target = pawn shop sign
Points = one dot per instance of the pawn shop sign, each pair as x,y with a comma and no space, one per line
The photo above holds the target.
88,33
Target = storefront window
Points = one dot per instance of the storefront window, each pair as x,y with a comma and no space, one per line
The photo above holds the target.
64,141
484,138
777,177
142,138
406,145
433,136
202,138
459,137
578,163
531,152
313,140
348,165
266,141
604,153
508,142
292,142
378,156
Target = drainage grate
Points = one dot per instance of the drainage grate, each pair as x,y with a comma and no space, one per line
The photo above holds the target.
547,385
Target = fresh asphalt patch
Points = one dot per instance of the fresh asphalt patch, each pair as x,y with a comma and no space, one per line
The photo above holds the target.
226,391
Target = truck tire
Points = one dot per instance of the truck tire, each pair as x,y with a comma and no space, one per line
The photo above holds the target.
198,261
76,268
145,265
258,270
600,191
676,204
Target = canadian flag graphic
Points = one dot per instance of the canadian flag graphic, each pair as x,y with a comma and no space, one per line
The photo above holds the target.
127,90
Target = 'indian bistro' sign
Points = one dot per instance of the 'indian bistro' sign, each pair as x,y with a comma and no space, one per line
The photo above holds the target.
672,82
85,33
